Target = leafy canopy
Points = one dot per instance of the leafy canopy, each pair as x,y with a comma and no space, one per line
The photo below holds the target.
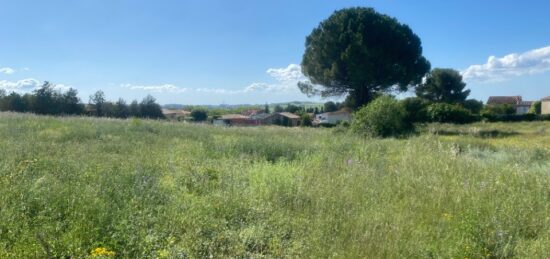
443,85
383,117
362,53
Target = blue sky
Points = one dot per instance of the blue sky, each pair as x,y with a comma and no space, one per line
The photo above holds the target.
245,51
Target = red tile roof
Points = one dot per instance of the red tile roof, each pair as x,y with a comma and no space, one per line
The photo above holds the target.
513,100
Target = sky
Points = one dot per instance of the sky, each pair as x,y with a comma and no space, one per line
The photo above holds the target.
249,51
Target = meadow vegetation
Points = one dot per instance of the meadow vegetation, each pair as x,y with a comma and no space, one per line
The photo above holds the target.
84,187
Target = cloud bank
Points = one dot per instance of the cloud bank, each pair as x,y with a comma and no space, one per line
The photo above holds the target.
512,65
285,80
165,88
20,85
7,70
27,85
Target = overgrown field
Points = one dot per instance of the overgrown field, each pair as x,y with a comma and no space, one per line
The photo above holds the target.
144,189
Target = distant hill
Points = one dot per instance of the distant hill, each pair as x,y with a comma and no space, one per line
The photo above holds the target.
234,106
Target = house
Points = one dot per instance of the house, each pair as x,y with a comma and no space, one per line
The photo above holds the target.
522,107
282,118
545,105
235,120
251,112
333,117
175,114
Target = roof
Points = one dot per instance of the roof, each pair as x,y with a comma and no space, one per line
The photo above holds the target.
547,98
341,111
233,116
260,116
513,100
251,112
289,115
526,103
175,112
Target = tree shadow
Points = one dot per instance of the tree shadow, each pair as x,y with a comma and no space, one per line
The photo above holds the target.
478,133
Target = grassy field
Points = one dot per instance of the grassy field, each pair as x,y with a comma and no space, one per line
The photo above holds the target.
86,187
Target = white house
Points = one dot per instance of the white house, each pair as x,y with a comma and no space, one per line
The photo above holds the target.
545,105
333,117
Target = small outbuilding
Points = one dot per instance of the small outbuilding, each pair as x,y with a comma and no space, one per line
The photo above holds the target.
545,105
333,117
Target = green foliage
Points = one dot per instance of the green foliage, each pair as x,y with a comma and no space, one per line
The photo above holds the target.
293,108
199,115
44,100
443,85
452,113
416,108
278,108
158,189
306,120
535,108
97,102
149,108
363,53
47,100
330,107
473,105
493,110
384,117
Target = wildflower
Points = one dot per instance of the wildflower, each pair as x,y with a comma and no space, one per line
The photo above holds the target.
163,254
447,216
102,251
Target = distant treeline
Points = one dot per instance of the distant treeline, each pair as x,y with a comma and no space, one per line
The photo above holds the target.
48,100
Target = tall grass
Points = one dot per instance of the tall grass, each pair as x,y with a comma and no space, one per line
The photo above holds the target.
138,188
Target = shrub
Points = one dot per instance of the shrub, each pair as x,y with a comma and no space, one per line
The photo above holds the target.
384,117
499,109
306,120
416,109
473,105
535,108
453,113
199,115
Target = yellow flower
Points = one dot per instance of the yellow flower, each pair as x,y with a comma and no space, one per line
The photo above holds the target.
102,251
447,216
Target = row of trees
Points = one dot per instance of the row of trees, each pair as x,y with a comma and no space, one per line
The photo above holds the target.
48,100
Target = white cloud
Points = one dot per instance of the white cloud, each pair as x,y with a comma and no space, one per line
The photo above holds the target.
500,69
291,73
20,85
286,80
165,88
62,87
7,70
29,84
218,91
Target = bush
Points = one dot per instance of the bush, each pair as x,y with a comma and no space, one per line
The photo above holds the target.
498,109
535,107
306,120
199,115
452,113
473,105
384,117
416,109
512,117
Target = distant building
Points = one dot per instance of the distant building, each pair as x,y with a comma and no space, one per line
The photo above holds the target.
258,119
175,114
522,107
282,118
235,120
251,112
545,105
333,117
